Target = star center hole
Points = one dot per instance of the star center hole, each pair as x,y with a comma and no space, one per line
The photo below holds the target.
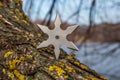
57,37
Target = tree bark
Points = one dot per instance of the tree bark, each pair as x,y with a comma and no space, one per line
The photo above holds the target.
20,60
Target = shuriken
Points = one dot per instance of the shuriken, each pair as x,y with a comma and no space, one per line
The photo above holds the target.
57,37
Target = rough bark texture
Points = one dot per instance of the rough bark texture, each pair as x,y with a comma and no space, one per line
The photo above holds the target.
19,58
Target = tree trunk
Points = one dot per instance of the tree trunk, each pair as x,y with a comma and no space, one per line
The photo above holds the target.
20,60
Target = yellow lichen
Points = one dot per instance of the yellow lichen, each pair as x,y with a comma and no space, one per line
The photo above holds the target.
102,77
94,79
11,75
34,62
22,58
17,10
61,64
39,35
24,21
12,64
17,18
69,57
18,75
65,76
1,4
29,56
20,14
3,70
26,37
69,69
57,69
51,74
35,44
49,51
83,66
11,12
76,62
7,54
36,78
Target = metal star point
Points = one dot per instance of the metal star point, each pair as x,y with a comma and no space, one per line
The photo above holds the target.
57,37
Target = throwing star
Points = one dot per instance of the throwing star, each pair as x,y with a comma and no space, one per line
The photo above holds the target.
57,37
